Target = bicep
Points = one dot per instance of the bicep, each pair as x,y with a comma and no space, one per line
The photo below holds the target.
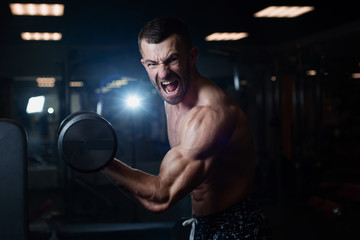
179,174
187,165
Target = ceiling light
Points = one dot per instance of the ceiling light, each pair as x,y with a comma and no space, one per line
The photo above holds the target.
283,11
226,36
35,9
41,36
46,82
356,75
76,84
311,72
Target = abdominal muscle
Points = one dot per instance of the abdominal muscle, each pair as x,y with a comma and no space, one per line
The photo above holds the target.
230,180
220,192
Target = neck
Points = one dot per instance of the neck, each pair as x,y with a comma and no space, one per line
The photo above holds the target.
192,94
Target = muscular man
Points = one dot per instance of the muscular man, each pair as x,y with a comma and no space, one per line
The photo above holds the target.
212,155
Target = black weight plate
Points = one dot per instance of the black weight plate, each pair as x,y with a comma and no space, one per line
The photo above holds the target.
72,116
86,141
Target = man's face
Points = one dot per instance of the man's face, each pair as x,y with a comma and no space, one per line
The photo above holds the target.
168,66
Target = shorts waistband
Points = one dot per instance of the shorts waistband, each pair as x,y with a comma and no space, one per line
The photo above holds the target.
243,206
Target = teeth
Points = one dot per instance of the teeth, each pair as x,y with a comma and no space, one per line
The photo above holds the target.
166,83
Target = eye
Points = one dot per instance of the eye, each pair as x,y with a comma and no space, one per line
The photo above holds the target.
151,65
174,60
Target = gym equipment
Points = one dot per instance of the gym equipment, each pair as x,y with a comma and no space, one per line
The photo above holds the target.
13,181
86,141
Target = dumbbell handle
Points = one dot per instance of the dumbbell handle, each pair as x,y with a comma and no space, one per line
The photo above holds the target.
91,144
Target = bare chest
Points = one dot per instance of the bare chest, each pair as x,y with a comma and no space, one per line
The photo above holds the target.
174,119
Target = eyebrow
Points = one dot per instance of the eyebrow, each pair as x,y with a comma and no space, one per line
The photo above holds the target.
175,54
149,61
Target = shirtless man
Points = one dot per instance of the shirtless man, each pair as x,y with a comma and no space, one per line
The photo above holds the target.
211,157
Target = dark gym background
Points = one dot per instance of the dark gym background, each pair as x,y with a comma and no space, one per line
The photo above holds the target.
294,78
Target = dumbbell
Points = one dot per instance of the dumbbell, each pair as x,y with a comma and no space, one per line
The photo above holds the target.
86,141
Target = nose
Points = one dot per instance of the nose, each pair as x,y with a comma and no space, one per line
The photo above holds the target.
163,71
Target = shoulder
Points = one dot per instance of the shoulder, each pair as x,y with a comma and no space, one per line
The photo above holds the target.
215,111
203,115
205,129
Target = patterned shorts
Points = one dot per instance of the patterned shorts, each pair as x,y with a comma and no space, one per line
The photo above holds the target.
241,221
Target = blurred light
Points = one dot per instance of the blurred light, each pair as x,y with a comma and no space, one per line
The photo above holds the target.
356,75
118,83
45,82
311,72
236,79
76,84
283,11
243,83
226,36
35,9
336,211
41,36
35,104
50,110
273,78
133,101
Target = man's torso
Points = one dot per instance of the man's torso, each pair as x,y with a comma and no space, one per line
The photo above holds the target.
231,179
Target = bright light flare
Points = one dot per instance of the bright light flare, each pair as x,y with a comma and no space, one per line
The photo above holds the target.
133,101
50,110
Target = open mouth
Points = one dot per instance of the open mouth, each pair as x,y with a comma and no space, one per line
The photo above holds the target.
170,86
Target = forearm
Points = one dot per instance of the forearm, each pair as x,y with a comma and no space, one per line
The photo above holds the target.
178,176
144,187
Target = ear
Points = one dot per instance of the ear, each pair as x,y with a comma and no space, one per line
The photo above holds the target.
194,53
143,62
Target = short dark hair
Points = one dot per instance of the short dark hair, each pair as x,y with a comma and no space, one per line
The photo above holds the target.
159,29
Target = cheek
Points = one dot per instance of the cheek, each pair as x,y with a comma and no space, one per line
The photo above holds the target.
183,71
152,77
150,74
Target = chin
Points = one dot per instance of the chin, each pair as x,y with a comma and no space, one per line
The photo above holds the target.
173,101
